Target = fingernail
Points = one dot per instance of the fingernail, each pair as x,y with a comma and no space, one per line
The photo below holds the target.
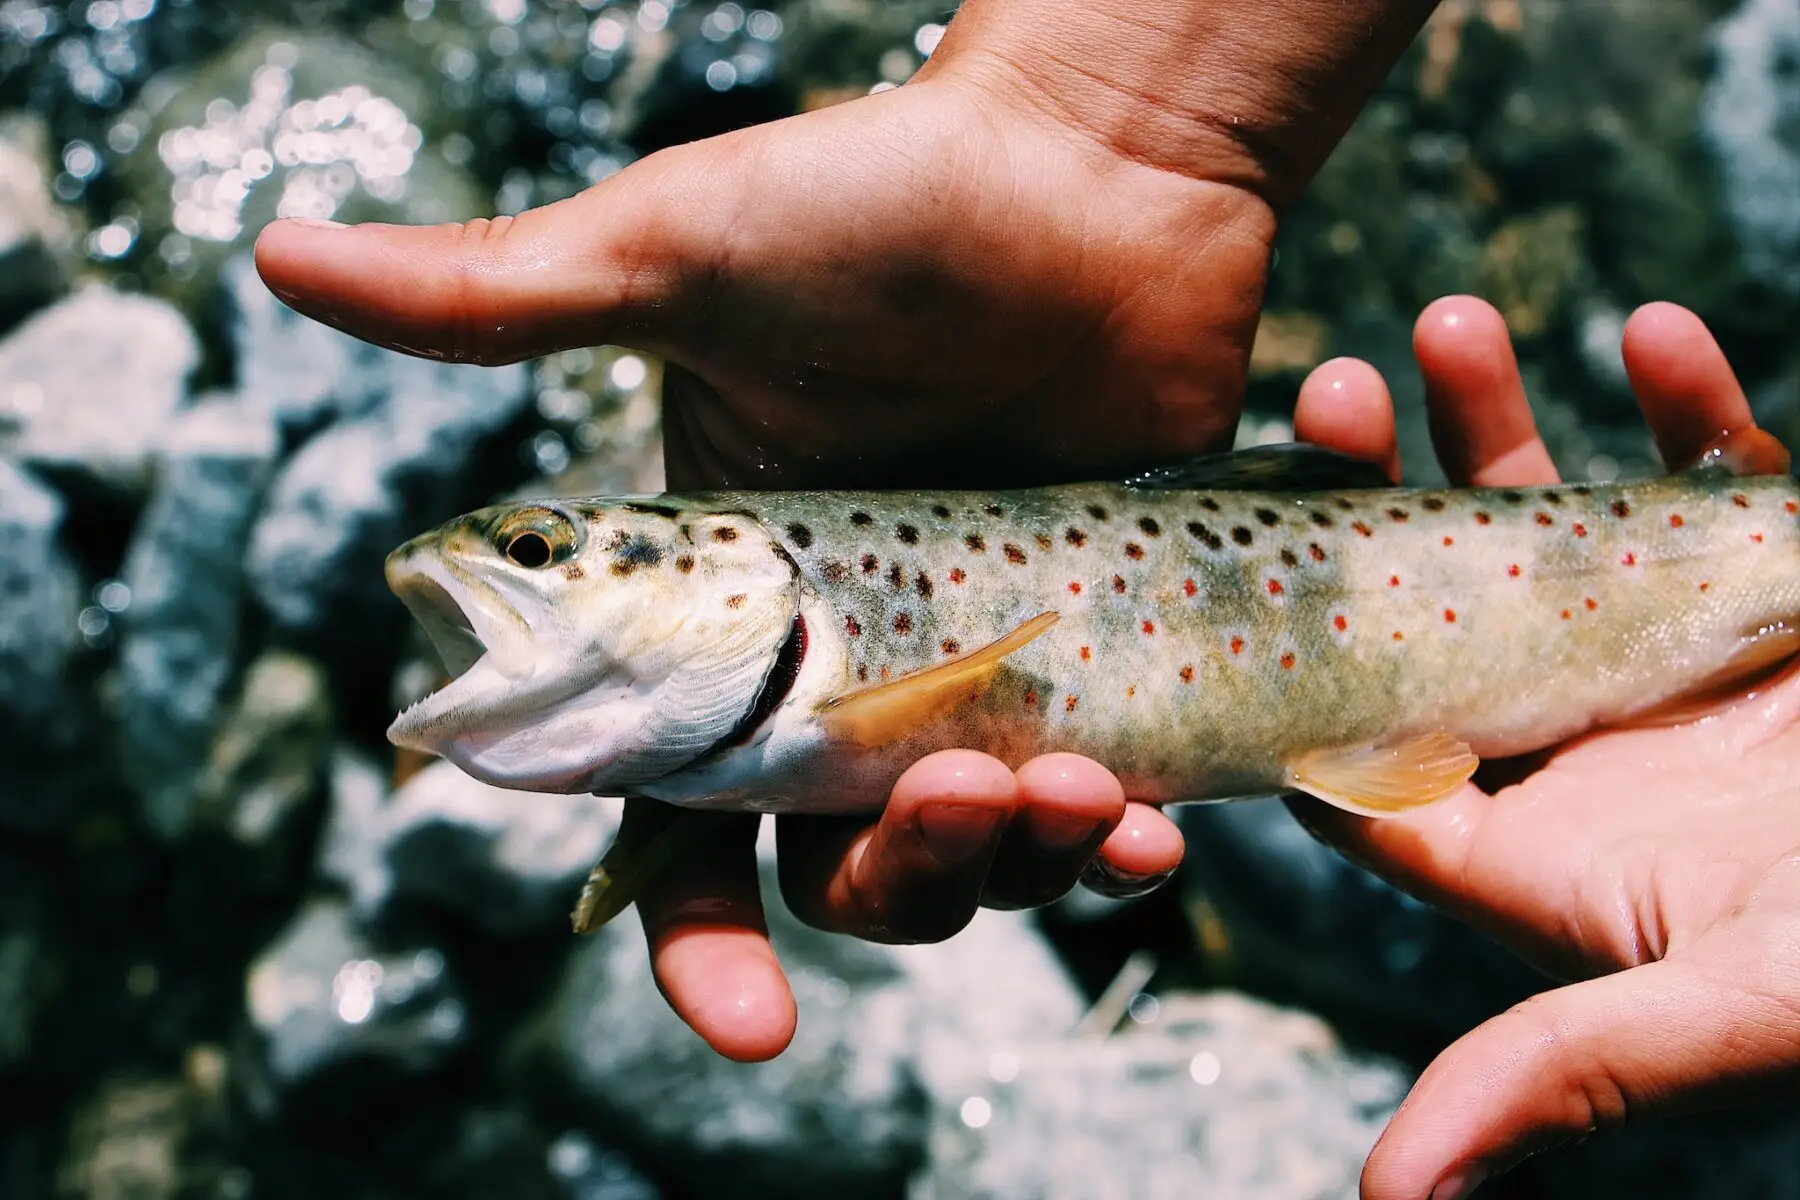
955,833
1063,831
1458,1184
316,223
1106,879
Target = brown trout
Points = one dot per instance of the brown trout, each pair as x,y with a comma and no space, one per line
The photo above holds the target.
1273,620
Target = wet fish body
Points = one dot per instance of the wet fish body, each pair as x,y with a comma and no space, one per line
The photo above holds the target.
779,651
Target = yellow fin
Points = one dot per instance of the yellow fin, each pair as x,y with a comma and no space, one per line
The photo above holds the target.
878,715
1761,655
1385,779
651,836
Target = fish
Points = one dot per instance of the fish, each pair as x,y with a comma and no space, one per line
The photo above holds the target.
1275,620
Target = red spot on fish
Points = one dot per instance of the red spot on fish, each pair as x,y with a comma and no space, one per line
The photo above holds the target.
1482,518
1591,603
1086,653
1150,628
1131,691
852,626
1069,704
1362,528
957,575
884,674
1675,521
1074,587
1317,552
1449,541
1030,699
1621,509
1398,636
1190,587
1275,588
902,623
1119,584
1567,614
1545,518
1287,661
1741,500
1757,538
1705,585
1513,570
1237,645
949,646
1449,616
1580,529
1393,581
1133,551
1187,674
1341,622
1793,507
1630,559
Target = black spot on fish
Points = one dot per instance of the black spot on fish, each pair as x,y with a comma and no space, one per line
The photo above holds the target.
1582,489
1345,503
1268,516
1553,499
870,564
1075,537
685,563
835,572
1621,509
1133,551
1208,538
1399,515
1209,504
940,512
1149,526
1512,497
652,510
634,551
922,585
1043,541
907,533
1241,535
1433,503
1289,558
1013,554
902,623
1321,519
975,542
725,533
994,510
573,571
861,518
896,577
801,534
1097,512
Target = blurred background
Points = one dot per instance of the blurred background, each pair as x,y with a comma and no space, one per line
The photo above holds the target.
244,952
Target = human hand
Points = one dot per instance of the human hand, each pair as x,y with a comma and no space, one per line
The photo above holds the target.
1041,259
1660,865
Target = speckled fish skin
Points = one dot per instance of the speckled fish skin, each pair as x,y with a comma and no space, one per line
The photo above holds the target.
1208,638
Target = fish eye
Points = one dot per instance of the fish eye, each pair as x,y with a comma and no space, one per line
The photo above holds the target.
536,538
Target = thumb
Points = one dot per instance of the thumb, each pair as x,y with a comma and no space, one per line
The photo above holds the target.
1569,1062
595,268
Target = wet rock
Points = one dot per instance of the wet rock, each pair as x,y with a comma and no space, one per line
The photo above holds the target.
339,1026
404,456
1298,918
37,238
590,1172
39,702
127,1143
88,386
180,644
1210,1095
603,434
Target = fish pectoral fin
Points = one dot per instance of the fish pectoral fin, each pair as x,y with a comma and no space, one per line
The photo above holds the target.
651,836
1286,467
878,715
1387,778
1762,654
1749,451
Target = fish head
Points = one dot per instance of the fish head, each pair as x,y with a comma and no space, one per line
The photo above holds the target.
592,645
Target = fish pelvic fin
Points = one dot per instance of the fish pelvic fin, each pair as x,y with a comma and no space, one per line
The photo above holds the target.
875,716
651,836
1387,778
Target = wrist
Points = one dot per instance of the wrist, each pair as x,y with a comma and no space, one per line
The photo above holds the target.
1250,93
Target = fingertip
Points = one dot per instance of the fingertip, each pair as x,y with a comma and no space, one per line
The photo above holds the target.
961,777
1146,843
1073,784
727,984
1458,316
1344,406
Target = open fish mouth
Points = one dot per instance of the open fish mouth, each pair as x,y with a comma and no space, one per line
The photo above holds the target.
482,641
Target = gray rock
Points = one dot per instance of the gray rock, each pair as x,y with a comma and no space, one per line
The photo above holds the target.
509,862
1302,920
1749,113
26,955
329,1009
37,237
397,461
88,386
40,704
126,1142
1215,1095
180,644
